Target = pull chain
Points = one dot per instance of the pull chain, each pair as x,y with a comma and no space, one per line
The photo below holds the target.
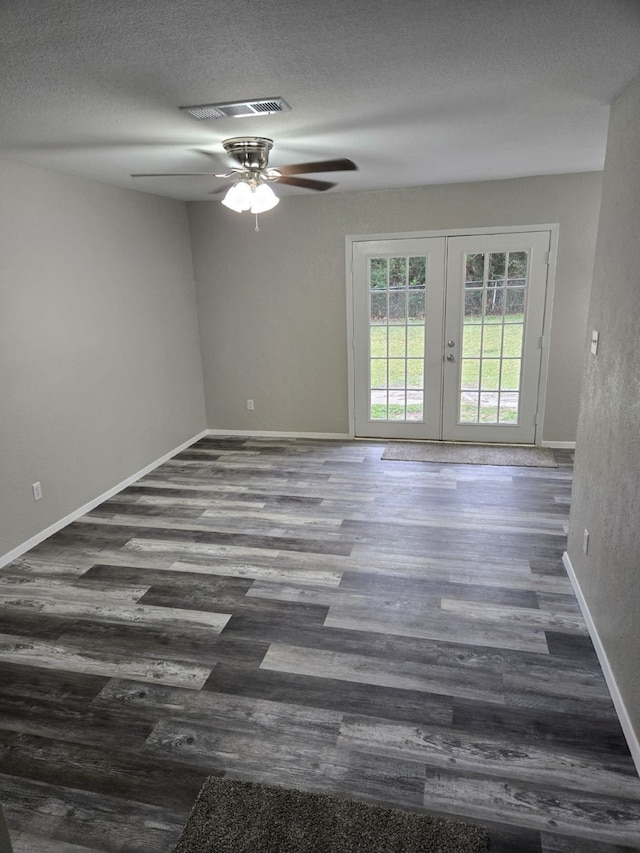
257,228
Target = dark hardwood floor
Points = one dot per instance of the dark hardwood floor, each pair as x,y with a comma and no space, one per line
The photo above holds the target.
303,613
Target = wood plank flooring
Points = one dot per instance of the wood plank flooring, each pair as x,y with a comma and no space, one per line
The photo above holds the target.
303,613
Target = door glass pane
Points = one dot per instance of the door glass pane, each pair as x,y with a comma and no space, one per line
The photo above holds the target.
378,274
379,373
515,304
397,272
518,267
378,405
488,408
415,374
469,407
497,261
490,374
397,373
494,302
415,406
470,374
397,341
378,343
397,406
509,408
473,306
397,293
492,337
513,340
510,374
474,270
379,308
417,272
492,340
416,307
415,341
471,340
398,307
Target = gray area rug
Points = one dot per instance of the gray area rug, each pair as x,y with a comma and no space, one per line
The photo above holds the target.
244,817
470,454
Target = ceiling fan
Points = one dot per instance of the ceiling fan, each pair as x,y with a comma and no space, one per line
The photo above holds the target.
250,188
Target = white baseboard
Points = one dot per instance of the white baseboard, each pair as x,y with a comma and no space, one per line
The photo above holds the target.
631,736
252,433
559,445
58,525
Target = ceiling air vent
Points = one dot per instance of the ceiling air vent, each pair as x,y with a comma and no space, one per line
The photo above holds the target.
239,109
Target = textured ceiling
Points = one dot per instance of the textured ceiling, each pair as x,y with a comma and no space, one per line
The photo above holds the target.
414,91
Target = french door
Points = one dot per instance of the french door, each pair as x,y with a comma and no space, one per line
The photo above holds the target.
447,336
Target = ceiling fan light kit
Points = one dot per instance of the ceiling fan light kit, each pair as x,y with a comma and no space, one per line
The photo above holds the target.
242,197
264,199
238,197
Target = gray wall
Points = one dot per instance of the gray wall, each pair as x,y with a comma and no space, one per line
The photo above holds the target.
272,305
606,496
100,370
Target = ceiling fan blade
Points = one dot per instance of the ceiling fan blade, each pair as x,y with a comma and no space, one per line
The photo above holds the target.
176,175
306,183
340,165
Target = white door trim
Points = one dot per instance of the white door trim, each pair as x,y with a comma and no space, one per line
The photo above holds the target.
351,239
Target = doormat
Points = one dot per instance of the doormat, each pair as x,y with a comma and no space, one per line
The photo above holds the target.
470,454
244,817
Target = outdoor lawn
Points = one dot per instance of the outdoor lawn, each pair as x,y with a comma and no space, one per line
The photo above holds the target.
491,358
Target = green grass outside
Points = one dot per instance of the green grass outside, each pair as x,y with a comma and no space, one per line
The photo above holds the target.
478,350
469,413
400,348
395,412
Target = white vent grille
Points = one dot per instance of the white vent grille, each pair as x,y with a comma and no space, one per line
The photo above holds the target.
239,109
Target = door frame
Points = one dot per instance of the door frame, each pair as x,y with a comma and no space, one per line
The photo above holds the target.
552,229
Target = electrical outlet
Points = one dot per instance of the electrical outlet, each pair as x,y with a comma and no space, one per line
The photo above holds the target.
585,541
250,405
37,491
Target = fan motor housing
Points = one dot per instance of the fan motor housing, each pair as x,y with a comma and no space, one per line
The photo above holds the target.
251,152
